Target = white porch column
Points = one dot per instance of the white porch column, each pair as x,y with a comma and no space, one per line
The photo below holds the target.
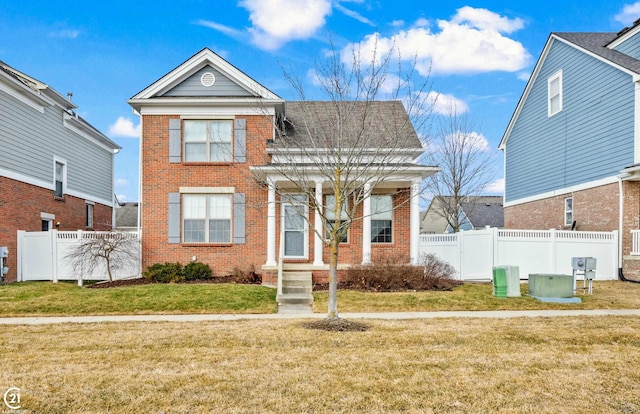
366,225
271,224
414,221
317,222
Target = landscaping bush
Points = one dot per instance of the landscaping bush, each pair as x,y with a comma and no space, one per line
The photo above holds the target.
248,276
197,271
164,273
389,276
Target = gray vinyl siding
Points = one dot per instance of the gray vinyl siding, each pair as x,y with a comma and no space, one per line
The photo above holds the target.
590,139
192,86
30,139
630,46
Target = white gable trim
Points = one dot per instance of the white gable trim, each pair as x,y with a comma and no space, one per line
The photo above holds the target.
197,62
561,191
626,36
534,76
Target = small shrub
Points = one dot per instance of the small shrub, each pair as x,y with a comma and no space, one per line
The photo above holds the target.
164,273
388,276
197,271
248,276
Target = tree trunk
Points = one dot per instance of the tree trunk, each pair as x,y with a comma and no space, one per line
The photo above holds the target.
332,312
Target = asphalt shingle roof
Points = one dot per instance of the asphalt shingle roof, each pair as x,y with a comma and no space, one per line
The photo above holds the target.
596,42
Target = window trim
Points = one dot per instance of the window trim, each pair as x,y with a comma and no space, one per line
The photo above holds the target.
373,212
207,142
556,76
567,201
63,163
207,218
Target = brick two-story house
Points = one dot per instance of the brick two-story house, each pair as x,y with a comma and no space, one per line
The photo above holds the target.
212,177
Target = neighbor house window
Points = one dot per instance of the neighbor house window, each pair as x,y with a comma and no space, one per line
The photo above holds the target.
60,178
208,141
554,87
89,215
381,219
206,218
568,211
329,212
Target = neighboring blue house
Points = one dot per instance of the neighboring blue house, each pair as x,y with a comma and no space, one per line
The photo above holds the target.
572,146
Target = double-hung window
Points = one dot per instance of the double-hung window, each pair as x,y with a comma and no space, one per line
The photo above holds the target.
568,211
89,214
381,219
554,90
206,218
59,179
208,140
330,214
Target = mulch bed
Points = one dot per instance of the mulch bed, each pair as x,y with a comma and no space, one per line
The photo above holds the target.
143,281
337,325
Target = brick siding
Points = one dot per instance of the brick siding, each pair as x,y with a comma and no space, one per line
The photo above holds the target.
22,204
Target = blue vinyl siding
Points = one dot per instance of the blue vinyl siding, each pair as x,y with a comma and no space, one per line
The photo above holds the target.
590,139
192,86
630,46
30,139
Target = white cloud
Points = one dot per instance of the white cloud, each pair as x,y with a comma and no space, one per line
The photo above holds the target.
443,104
524,76
353,14
122,182
496,187
123,127
121,198
629,13
229,31
473,141
65,33
275,22
472,41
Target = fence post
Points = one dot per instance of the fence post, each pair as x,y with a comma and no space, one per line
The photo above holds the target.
616,253
19,248
552,250
53,244
494,240
460,246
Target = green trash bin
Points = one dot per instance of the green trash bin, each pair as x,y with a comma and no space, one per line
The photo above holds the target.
499,282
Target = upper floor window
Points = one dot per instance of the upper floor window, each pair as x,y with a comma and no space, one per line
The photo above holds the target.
208,141
381,219
59,178
568,211
206,218
554,90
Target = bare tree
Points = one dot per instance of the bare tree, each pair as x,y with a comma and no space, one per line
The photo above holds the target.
105,251
466,167
363,135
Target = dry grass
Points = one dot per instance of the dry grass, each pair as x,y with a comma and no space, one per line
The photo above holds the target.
540,365
478,296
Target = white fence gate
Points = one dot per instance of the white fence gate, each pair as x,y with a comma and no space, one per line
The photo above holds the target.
474,253
42,255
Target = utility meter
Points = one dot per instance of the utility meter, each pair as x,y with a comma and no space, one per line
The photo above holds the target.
4,251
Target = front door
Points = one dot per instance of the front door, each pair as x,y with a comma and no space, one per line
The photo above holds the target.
295,227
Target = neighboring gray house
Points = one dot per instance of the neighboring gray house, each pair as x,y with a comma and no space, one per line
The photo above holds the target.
476,212
572,146
56,170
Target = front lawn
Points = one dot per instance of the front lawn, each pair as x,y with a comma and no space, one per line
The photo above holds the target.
66,298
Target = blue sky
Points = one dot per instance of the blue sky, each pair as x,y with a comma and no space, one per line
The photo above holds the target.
481,54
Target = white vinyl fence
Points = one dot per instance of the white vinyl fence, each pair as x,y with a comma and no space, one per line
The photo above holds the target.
43,255
474,253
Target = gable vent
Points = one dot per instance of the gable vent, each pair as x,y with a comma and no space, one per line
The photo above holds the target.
207,79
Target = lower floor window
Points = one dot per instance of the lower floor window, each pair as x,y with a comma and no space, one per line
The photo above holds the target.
206,218
381,219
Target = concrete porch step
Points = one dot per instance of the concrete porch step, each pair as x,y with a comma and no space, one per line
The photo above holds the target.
295,299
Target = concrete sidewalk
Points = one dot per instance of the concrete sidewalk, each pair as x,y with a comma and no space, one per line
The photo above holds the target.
382,315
